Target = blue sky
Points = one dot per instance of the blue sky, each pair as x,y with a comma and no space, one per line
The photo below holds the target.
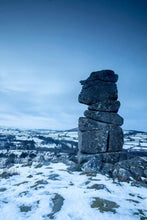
48,46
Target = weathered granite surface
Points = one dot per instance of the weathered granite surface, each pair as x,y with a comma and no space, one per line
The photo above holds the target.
105,106
100,134
95,136
103,75
92,142
92,92
108,157
107,117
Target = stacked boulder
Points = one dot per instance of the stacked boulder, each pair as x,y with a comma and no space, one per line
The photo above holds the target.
100,134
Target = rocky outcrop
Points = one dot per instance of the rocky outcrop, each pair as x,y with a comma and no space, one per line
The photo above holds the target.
100,134
134,169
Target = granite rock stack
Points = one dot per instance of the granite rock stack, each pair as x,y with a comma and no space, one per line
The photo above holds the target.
100,134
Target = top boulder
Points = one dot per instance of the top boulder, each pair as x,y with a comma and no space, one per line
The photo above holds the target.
103,75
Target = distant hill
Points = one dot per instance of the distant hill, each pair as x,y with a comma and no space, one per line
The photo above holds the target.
72,130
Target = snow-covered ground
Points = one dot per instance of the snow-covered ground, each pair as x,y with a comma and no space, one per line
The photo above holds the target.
40,191
52,192
135,140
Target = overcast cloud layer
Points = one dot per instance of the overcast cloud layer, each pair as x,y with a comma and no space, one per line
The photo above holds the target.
48,46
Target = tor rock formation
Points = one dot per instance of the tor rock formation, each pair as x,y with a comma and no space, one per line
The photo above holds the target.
100,134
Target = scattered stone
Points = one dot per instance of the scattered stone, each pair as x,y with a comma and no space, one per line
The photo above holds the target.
39,173
71,184
122,175
141,213
87,182
24,155
32,155
94,179
140,197
93,165
91,174
24,208
137,172
131,194
107,169
104,205
57,205
3,189
39,182
24,193
97,187
7,175
38,165
30,176
132,200
53,177
18,184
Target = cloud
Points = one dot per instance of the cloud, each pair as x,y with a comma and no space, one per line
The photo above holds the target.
36,101
46,51
32,122
34,83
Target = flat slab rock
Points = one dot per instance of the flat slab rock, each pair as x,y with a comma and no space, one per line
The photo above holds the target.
93,141
96,137
105,106
107,117
103,75
96,91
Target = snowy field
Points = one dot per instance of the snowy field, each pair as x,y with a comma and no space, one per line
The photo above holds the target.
40,191
135,140
52,192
